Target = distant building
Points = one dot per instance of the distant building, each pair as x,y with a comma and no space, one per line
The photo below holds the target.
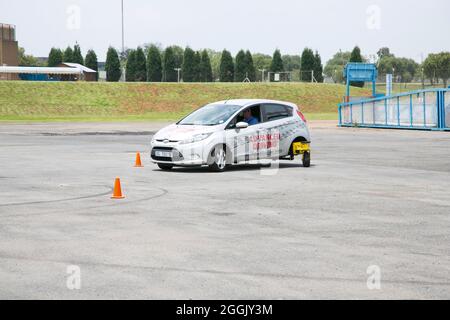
9,49
64,72
9,61
86,73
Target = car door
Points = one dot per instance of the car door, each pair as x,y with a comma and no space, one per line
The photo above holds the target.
276,118
244,141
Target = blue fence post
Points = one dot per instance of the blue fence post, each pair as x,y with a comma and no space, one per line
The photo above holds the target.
373,112
385,111
362,112
444,125
398,111
351,113
340,115
411,110
424,110
441,110
439,115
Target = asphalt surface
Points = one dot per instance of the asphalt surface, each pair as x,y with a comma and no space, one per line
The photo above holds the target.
372,198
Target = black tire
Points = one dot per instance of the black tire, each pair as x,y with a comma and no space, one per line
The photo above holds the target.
165,167
218,159
307,159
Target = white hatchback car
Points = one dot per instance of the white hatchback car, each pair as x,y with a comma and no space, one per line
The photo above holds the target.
230,132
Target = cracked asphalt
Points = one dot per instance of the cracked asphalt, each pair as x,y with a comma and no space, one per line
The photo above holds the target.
372,198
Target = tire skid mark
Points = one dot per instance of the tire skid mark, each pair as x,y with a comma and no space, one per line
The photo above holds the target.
59,200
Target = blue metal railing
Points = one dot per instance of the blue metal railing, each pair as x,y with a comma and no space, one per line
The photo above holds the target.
423,109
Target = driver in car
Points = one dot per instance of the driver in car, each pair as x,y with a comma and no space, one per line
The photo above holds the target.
249,118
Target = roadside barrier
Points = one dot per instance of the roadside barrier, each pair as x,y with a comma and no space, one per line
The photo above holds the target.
423,109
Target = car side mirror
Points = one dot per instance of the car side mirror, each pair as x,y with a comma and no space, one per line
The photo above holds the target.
242,125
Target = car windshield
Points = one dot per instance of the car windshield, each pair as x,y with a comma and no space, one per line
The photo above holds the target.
210,115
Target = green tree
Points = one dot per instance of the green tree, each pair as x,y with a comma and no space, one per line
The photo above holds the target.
169,65
131,68
178,53
55,57
308,65
91,61
292,62
318,68
226,67
430,66
261,62
356,57
437,66
77,56
403,69
215,57
251,71
154,64
277,62
141,66
206,74
443,71
189,66
384,52
240,71
27,60
68,55
197,66
112,66
334,68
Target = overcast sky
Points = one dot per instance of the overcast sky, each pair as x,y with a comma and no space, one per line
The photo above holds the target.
409,27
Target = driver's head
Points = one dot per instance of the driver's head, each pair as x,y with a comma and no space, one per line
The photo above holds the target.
247,114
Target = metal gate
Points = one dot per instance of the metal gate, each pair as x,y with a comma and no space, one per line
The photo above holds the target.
424,109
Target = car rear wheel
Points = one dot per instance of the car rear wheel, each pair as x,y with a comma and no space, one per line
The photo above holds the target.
165,167
218,159
307,159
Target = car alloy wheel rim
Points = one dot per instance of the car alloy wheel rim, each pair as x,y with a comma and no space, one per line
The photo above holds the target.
221,159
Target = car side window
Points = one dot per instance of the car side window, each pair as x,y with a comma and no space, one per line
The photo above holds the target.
272,112
255,114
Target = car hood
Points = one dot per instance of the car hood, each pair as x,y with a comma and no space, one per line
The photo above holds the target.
180,133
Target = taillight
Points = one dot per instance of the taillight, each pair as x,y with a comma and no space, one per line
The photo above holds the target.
302,116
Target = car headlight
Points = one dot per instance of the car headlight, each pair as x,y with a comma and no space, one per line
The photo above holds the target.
196,138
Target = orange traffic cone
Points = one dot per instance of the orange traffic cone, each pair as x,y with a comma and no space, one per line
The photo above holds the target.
117,190
138,161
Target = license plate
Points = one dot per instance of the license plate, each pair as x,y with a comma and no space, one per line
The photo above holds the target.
163,154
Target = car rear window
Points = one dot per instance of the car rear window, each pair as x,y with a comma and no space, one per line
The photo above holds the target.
274,112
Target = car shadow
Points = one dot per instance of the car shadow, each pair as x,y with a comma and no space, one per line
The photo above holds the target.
237,168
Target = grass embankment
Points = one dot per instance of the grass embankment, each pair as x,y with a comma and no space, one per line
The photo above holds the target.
406,87
63,101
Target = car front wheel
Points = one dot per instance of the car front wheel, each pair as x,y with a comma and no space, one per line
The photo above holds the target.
218,159
165,167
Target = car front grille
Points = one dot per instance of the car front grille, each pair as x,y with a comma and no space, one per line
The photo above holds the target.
176,155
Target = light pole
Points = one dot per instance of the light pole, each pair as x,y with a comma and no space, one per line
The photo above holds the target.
123,31
423,79
178,70
123,78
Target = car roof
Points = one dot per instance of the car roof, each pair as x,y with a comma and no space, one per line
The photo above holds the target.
248,102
